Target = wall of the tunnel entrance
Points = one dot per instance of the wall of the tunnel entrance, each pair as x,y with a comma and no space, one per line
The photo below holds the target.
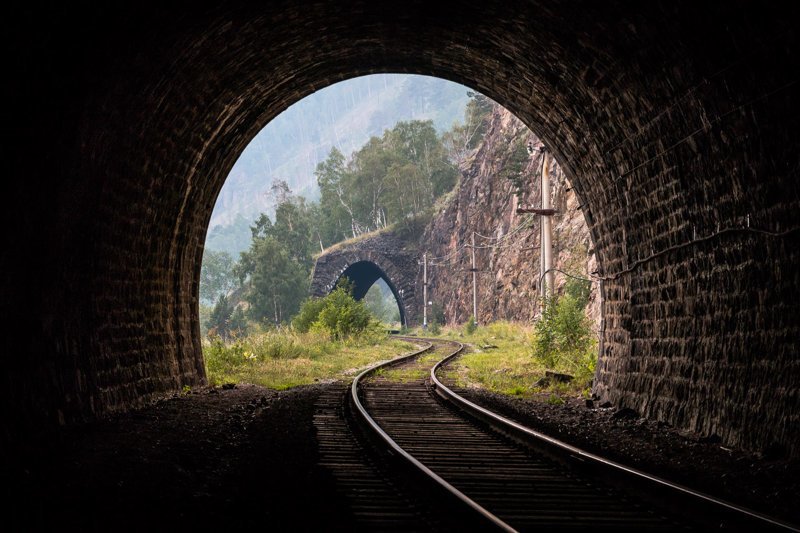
675,124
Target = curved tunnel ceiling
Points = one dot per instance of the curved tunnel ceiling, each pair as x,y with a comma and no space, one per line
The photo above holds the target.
673,121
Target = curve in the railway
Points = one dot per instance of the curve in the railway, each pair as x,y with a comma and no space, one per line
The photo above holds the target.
511,476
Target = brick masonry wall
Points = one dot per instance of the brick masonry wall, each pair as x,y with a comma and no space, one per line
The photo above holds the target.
671,119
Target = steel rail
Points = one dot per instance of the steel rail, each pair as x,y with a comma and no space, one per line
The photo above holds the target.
505,424
407,456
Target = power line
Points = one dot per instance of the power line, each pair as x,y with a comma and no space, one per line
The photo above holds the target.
515,230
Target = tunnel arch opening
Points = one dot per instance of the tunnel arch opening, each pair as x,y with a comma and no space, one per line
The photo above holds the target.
303,198
678,146
365,274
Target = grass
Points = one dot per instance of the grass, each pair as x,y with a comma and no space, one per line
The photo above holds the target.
499,358
411,372
284,359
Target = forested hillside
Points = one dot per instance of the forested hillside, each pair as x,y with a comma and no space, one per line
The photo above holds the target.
392,181
344,116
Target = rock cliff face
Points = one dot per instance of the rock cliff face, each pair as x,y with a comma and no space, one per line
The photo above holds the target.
507,243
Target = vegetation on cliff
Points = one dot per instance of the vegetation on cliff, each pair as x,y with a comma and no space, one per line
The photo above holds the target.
290,146
391,182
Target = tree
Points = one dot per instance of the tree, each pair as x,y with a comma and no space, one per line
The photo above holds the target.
416,143
514,164
334,200
216,275
219,321
279,260
464,137
238,322
390,179
277,282
292,229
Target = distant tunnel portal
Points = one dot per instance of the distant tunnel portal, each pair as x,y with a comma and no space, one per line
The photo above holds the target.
363,275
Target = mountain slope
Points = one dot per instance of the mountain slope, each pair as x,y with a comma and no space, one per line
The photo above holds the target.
344,115
507,243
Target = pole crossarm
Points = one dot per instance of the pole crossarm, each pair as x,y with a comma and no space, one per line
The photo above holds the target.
538,211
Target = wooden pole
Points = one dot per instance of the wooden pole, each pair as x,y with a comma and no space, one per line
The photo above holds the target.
547,232
425,291
474,283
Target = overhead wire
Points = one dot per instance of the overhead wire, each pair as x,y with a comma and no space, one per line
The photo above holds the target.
501,244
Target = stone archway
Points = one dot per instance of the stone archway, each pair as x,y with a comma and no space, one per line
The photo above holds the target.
364,262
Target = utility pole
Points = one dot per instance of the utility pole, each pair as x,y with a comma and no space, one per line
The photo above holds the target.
425,290
546,211
474,282
547,231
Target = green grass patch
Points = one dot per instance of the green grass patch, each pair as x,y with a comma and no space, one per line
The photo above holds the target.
284,358
501,357
407,373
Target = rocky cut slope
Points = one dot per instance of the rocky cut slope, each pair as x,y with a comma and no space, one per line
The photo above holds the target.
507,243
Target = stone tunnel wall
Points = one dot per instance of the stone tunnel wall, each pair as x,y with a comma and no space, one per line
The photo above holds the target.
675,122
394,255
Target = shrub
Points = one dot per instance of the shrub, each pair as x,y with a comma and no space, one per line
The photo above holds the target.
338,314
578,289
342,316
221,358
563,335
308,314
470,326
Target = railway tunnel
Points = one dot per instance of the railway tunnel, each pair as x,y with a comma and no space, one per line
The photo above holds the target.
676,123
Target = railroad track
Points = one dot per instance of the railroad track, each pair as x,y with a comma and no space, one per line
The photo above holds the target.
451,464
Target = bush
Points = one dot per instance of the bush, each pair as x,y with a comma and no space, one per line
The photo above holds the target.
342,316
338,314
221,358
564,337
578,289
470,326
308,314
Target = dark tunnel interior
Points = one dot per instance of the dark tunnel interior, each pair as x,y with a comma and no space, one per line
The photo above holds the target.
363,275
675,122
